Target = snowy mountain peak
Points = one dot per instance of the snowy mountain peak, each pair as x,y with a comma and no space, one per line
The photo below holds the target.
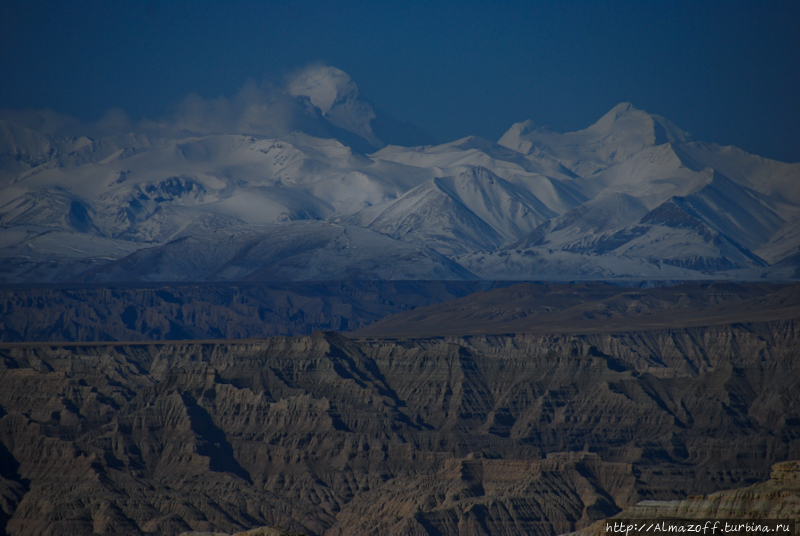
623,108
336,97
654,129
334,93
324,85
625,197
524,127
620,134
521,137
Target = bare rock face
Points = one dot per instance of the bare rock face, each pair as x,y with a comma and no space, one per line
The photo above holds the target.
484,496
777,498
530,434
259,531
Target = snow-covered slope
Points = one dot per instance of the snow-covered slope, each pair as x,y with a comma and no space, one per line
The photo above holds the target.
22,149
244,178
631,196
295,251
657,197
473,211
620,134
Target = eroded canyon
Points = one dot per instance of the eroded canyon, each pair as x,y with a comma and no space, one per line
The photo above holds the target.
484,434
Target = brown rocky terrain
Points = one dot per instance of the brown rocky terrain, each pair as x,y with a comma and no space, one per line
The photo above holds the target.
592,308
258,531
777,498
537,433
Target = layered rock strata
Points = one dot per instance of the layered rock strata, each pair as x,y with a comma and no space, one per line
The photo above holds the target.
529,434
777,498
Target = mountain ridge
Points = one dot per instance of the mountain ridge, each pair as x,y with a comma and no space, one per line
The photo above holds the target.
535,205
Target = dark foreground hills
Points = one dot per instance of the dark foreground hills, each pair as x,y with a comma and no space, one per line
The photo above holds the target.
507,432
127,312
191,311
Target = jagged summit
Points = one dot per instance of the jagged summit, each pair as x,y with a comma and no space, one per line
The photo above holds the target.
338,99
624,130
621,110
325,86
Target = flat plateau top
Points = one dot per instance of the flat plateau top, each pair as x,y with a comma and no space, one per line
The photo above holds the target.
592,308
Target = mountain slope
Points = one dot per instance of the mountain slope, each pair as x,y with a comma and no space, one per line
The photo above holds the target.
703,220
620,134
298,251
632,196
475,210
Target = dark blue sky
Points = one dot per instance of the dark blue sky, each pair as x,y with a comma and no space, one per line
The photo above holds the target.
726,71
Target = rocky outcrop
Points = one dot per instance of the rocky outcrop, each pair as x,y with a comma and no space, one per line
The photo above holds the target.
777,498
529,434
259,531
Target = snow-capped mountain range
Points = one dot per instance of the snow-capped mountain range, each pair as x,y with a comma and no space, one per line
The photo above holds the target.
341,191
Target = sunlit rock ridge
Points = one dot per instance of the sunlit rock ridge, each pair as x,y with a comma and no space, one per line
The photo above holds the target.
309,181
